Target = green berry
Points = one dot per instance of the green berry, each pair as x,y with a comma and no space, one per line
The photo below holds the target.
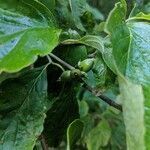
75,73
65,76
86,65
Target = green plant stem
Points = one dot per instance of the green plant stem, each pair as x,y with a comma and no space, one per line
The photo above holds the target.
61,61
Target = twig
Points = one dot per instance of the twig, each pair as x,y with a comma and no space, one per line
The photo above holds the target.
43,142
49,59
59,66
110,102
104,98
101,96
55,64
61,61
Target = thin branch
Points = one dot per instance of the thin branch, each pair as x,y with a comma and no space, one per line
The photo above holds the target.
61,61
59,66
101,96
43,142
110,102
55,64
104,98
49,59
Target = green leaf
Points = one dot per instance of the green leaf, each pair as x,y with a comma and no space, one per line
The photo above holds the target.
108,55
118,137
99,136
70,12
140,16
146,90
99,71
120,35
130,55
69,34
27,29
133,112
88,40
83,108
50,4
137,68
95,12
76,7
74,133
130,49
88,121
98,75
23,104
146,8
63,111
71,54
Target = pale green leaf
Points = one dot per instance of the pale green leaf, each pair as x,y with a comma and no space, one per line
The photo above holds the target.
146,90
140,16
88,40
133,112
74,132
83,108
99,136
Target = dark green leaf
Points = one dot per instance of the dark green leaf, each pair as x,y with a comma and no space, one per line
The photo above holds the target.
69,13
50,4
63,111
71,54
23,106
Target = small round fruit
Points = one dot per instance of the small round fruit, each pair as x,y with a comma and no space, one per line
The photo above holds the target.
75,73
86,65
65,76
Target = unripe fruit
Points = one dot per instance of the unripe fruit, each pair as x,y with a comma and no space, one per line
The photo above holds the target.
65,76
86,65
71,74
75,73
